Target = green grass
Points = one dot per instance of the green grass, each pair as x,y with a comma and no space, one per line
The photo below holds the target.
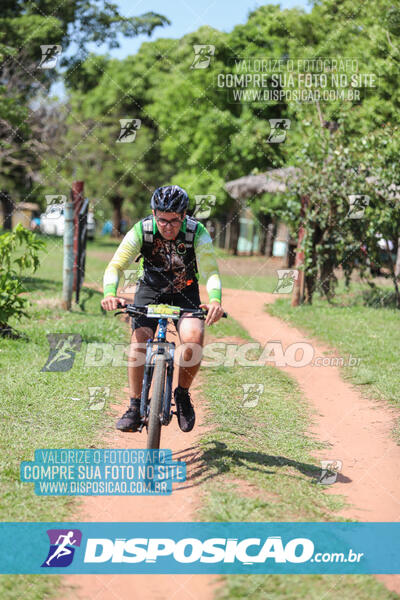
257,465
370,334
311,587
257,283
268,283
248,280
50,409
50,271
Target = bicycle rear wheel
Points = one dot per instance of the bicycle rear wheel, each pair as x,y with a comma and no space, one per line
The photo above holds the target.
154,426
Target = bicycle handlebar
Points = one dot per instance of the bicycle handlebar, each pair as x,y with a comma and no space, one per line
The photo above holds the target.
133,309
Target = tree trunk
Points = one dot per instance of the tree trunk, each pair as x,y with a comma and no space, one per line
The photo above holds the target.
393,275
117,202
310,277
397,268
327,278
8,207
235,230
270,239
217,239
265,235
227,239
301,281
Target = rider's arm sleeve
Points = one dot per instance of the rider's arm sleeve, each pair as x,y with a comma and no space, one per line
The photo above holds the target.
207,263
126,252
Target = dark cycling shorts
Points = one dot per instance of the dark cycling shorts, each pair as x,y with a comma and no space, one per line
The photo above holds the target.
187,298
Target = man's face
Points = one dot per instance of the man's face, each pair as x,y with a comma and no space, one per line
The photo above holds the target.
169,223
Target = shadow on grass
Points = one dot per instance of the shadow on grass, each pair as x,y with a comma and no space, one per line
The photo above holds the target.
99,243
37,283
87,294
6,331
218,458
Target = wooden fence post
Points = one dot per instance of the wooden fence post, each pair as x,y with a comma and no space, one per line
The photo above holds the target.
68,268
77,199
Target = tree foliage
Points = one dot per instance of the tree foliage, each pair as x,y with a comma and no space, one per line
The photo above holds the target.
24,87
18,254
194,134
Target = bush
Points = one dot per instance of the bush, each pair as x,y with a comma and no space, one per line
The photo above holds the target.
380,298
12,266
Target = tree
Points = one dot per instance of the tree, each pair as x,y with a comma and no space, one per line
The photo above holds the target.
352,190
26,26
382,150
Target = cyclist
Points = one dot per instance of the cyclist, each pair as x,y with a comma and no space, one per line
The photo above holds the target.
174,251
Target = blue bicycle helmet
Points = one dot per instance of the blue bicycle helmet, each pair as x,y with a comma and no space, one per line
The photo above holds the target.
170,198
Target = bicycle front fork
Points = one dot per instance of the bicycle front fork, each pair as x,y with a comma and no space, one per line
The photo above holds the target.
154,347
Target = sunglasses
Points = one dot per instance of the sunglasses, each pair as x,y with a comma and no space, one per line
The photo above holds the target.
165,222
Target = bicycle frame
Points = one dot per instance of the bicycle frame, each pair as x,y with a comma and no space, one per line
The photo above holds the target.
159,345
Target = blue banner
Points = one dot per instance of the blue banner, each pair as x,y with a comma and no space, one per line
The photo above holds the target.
200,548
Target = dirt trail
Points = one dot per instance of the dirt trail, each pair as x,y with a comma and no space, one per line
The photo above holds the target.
179,506
358,431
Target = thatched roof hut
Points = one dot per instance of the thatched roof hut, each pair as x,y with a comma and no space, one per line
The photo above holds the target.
274,181
271,182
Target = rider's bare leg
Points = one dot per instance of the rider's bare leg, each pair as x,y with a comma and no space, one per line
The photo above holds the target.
191,333
135,373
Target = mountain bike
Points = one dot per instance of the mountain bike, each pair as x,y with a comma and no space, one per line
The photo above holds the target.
159,367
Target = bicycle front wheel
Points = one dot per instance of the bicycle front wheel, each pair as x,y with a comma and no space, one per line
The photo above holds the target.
154,426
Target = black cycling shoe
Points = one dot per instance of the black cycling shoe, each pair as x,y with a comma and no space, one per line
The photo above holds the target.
185,410
130,421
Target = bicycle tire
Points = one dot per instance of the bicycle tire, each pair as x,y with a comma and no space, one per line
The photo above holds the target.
154,425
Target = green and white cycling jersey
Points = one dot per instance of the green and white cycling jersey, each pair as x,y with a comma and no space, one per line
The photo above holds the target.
166,257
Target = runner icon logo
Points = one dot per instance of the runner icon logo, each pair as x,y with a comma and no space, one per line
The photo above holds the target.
62,547
286,280
54,201
252,393
63,347
279,127
357,205
202,55
50,55
329,471
130,276
98,397
128,130
204,205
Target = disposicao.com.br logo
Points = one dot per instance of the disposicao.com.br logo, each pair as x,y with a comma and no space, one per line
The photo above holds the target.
209,548
247,551
199,547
